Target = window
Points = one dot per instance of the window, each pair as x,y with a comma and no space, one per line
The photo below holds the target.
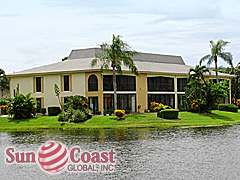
166,99
108,83
92,83
181,84
38,84
124,83
181,101
124,101
66,82
160,84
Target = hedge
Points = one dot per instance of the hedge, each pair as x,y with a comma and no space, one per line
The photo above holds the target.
54,111
168,113
228,107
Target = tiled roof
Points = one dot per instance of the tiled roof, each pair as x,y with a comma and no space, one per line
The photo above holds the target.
79,61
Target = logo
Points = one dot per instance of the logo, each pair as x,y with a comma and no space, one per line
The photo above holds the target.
54,157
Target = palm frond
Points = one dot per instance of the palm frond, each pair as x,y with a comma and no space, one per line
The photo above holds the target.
204,58
227,57
210,60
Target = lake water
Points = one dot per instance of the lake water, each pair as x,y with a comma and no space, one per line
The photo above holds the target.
202,153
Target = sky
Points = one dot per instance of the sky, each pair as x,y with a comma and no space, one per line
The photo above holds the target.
40,32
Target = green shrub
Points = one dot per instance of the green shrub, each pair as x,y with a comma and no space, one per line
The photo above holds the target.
22,107
54,111
182,109
228,107
43,111
89,113
76,102
79,116
62,117
168,113
76,109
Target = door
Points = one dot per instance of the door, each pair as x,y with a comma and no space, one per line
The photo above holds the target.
93,104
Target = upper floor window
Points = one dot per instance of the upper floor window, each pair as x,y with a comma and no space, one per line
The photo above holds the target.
92,83
38,84
181,84
160,84
124,83
66,82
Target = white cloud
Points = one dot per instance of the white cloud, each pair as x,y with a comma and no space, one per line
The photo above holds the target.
43,32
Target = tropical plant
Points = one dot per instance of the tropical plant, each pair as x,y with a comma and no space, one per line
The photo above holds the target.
43,111
62,116
217,50
76,102
115,56
235,82
22,107
201,95
75,109
79,116
4,82
57,93
197,74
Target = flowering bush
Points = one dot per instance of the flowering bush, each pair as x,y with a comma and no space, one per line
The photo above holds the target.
4,109
119,113
161,107
238,103
198,105
154,105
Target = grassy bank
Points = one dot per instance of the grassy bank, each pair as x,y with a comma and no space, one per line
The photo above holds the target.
217,118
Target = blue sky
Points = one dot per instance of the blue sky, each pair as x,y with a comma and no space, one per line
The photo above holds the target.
39,32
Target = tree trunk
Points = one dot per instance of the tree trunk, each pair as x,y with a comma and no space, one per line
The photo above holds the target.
115,88
216,68
59,102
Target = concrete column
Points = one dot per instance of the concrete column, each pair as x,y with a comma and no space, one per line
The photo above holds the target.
175,91
141,92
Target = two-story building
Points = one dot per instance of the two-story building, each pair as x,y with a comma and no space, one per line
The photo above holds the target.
162,79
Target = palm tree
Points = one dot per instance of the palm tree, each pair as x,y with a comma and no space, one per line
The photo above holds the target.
115,56
197,73
217,50
4,82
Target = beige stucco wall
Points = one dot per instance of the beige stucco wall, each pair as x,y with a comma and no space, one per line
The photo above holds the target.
26,85
78,85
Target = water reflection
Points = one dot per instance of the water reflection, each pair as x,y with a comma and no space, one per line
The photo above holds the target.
148,153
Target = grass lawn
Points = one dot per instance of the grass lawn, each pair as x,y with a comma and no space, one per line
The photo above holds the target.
217,118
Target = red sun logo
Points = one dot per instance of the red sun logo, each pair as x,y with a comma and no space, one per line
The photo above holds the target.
53,157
